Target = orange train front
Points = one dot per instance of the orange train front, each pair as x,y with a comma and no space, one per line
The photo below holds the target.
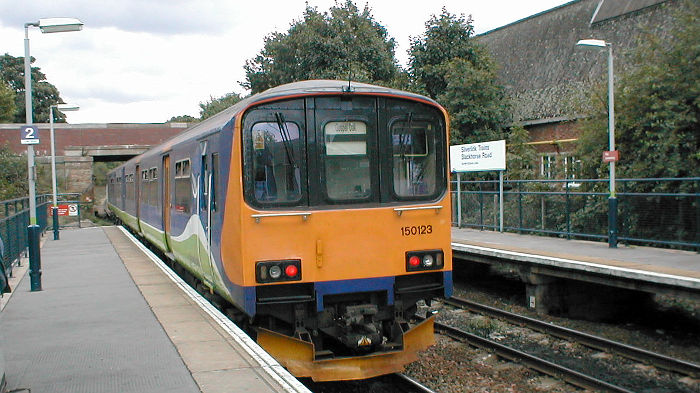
319,209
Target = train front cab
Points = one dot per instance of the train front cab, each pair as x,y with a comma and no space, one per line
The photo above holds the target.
351,192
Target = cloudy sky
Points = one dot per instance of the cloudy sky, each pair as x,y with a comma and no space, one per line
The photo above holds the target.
144,61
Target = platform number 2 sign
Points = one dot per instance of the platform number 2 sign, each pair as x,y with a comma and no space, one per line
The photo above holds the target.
29,135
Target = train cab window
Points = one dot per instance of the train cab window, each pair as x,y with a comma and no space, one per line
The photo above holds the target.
414,157
277,153
346,160
183,186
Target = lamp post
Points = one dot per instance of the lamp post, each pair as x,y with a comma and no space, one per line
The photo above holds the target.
612,156
54,209
48,25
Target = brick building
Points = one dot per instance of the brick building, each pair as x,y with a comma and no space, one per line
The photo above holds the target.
548,77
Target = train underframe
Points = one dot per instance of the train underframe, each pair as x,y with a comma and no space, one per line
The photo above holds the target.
355,336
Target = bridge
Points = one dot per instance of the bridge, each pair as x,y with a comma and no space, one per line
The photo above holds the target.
79,146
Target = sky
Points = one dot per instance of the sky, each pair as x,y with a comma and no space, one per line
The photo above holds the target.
145,61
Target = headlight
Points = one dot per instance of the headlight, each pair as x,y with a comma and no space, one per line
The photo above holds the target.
275,272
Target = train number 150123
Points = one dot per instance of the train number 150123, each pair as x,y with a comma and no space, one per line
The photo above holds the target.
416,230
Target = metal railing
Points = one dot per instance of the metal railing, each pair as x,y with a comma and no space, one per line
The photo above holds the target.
14,220
658,212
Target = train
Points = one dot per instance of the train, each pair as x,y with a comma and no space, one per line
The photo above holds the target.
317,210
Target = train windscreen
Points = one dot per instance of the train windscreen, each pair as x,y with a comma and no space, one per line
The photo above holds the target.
343,150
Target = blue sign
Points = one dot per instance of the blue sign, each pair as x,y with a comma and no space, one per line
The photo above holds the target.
29,135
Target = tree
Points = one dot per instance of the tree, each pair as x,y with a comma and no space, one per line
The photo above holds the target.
183,119
519,155
13,177
657,132
338,44
44,94
216,105
657,108
7,103
448,65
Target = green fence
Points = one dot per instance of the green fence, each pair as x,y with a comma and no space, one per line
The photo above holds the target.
14,220
656,212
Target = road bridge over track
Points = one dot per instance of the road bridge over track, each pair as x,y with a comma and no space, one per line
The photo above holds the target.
79,146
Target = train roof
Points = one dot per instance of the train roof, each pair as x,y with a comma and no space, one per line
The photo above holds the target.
308,87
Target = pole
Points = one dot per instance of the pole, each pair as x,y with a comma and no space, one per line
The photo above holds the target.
54,208
33,231
29,121
500,199
459,200
612,201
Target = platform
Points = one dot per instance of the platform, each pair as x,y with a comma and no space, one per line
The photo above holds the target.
541,258
109,319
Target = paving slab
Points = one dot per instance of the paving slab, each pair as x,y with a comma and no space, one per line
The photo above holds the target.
89,329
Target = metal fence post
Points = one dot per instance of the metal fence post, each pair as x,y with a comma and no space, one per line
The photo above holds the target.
500,201
520,208
481,207
568,207
459,200
34,234
697,214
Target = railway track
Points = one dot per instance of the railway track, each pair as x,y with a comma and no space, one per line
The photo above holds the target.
591,341
544,366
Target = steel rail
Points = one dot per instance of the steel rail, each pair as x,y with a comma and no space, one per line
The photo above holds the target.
589,340
411,384
544,366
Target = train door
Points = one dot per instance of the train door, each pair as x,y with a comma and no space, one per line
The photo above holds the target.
204,211
347,156
122,189
166,199
137,194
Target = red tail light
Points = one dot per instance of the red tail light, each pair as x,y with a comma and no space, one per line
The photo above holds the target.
291,271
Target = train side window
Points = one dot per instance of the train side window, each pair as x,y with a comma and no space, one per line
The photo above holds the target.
183,186
414,157
214,180
276,164
346,161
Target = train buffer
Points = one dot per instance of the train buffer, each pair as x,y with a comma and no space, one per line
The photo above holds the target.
584,278
110,320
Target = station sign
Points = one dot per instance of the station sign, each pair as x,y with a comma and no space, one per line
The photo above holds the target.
484,156
611,156
29,135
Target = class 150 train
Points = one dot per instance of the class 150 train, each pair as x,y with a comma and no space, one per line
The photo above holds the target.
318,209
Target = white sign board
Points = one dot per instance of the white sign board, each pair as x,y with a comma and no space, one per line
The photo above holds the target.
484,156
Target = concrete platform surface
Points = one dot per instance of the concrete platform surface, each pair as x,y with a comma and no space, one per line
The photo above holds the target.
109,320
591,256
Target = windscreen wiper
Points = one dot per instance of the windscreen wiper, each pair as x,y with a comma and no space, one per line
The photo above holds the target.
284,133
